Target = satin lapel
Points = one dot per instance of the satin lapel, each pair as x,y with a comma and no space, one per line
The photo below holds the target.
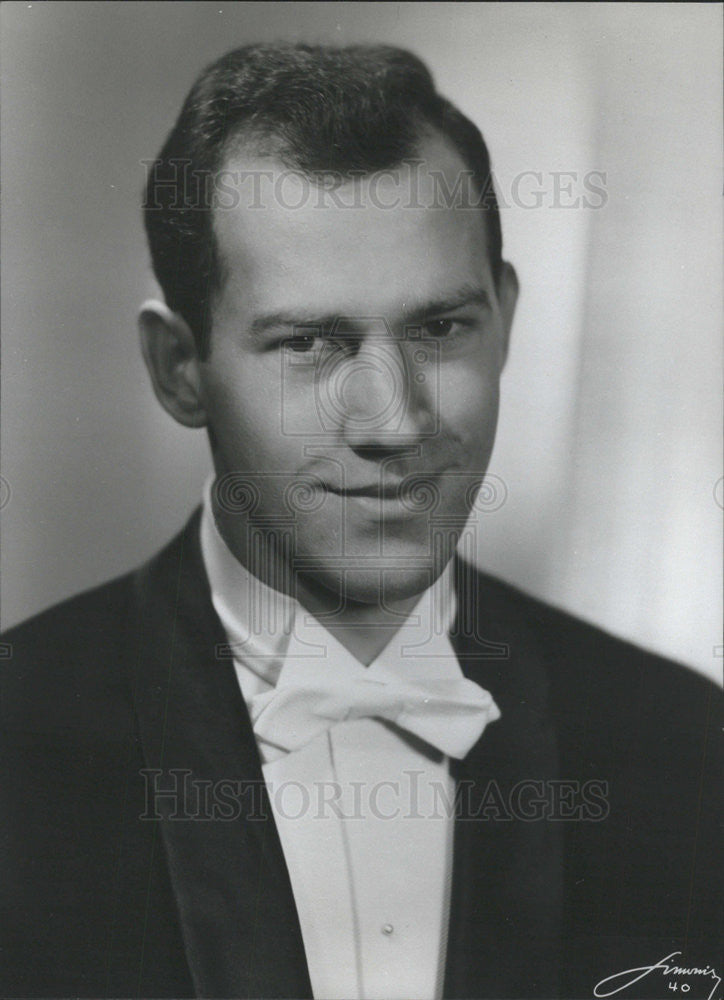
507,871
229,877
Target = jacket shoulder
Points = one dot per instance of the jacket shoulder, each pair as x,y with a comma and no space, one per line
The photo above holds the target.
598,676
566,635
62,665
70,669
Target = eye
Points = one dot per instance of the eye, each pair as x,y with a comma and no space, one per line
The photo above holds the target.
300,344
440,327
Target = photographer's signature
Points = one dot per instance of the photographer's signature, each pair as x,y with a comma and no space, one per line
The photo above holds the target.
611,985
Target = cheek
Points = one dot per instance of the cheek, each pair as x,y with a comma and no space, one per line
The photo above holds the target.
469,409
243,407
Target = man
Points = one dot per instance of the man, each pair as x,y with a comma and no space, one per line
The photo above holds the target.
307,750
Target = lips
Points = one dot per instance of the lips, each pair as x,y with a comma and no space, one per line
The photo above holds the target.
377,491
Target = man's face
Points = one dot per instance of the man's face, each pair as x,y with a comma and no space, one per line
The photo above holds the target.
352,383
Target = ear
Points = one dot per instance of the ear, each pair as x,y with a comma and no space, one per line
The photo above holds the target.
169,350
507,298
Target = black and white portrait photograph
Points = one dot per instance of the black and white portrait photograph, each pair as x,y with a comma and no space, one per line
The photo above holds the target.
361,500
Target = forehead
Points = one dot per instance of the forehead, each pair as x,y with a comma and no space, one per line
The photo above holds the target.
391,234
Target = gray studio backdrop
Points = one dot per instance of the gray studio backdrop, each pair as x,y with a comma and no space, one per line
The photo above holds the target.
607,464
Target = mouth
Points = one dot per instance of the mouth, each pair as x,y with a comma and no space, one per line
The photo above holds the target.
373,491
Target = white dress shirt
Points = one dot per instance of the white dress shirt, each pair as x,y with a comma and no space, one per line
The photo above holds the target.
364,813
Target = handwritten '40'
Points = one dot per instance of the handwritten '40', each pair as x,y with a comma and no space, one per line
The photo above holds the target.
618,980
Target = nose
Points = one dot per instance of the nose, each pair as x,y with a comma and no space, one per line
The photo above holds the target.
374,393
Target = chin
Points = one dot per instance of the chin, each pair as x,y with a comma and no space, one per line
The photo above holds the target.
368,587
395,577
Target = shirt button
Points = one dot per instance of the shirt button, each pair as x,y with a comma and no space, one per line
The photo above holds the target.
387,929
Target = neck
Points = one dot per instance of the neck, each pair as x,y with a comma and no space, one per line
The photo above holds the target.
363,629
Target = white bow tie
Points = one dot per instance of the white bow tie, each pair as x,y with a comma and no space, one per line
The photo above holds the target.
449,714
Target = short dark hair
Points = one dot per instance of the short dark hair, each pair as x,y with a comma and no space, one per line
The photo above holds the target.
329,110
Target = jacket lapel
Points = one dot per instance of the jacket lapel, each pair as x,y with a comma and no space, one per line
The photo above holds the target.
234,898
507,871
235,903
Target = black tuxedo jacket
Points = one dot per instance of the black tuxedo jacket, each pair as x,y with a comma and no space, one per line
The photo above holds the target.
555,885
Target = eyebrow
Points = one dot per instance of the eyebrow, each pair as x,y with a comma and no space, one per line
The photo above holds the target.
466,295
